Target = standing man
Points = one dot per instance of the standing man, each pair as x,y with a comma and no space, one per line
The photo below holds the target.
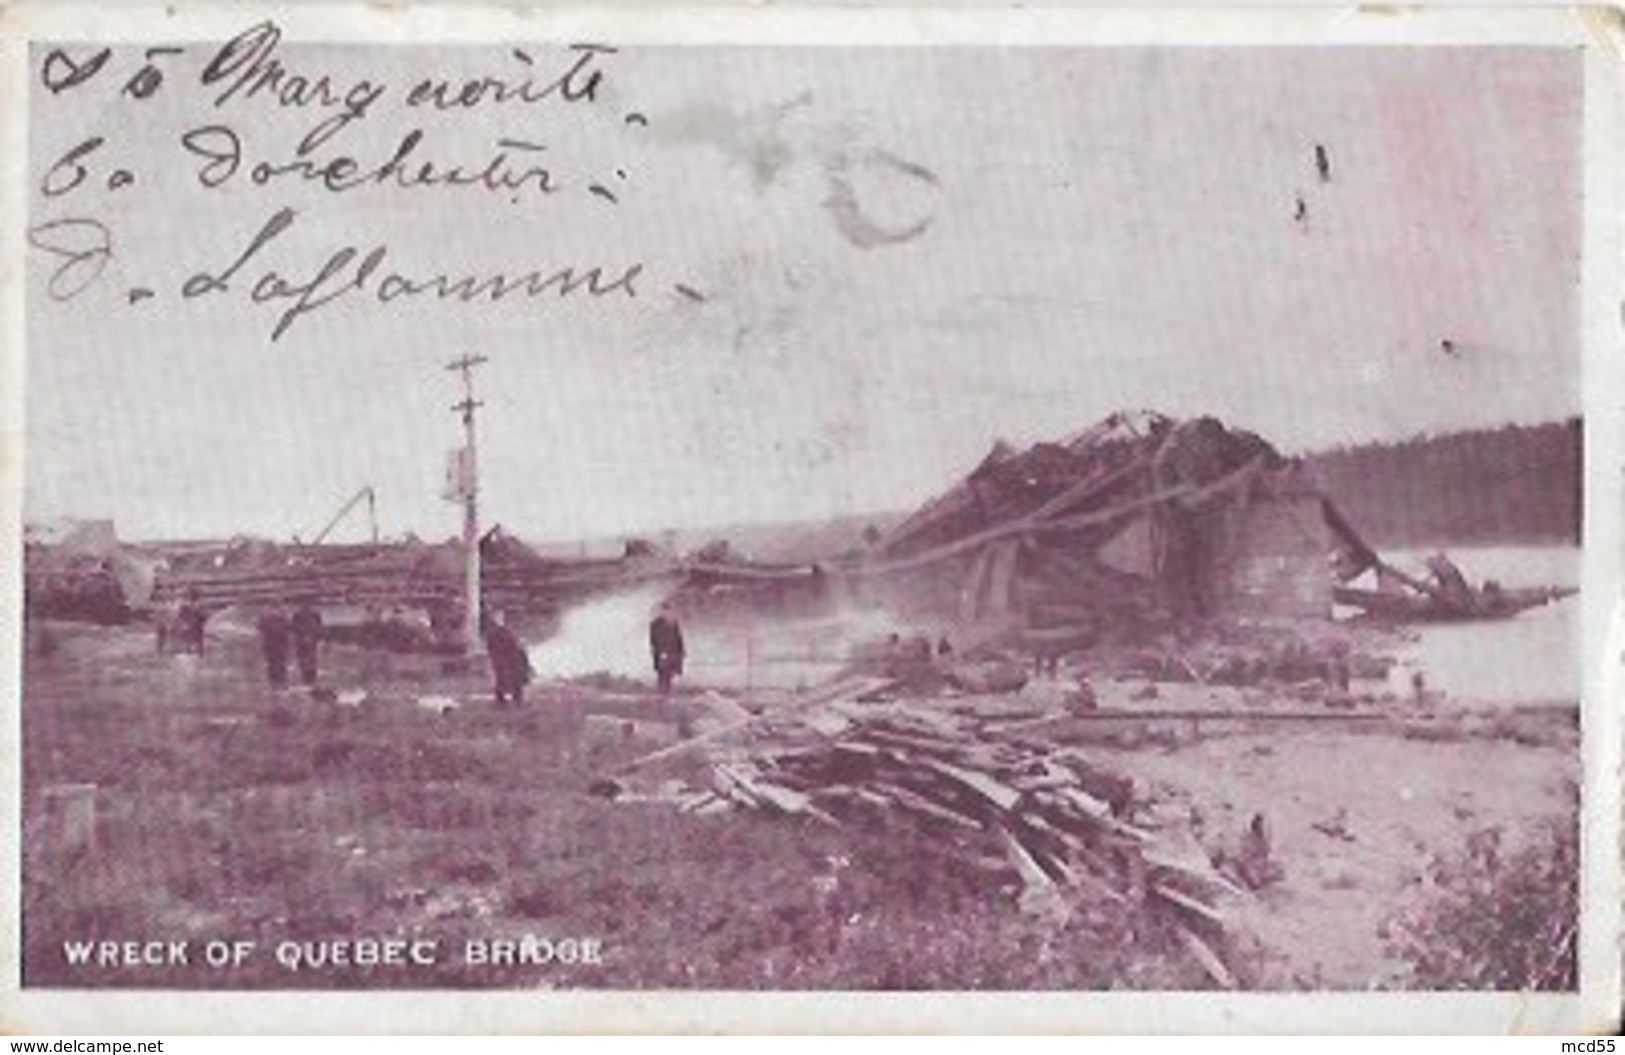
275,632
510,665
666,648
189,620
306,628
167,621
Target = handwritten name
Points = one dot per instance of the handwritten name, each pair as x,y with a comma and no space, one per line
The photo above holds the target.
248,67
349,272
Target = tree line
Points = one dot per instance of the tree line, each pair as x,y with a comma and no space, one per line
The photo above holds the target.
1514,484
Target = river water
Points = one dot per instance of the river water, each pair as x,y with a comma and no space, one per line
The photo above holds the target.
1531,658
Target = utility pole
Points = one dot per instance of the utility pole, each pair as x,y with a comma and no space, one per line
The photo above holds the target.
469,483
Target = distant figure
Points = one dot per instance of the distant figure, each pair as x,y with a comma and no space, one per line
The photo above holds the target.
1323,163
666,648
187,632
166,620
306,627
510,664
275,633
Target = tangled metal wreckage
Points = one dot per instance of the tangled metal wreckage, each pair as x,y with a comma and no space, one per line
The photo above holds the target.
1139,517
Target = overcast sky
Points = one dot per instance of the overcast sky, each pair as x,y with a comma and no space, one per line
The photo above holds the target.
903,254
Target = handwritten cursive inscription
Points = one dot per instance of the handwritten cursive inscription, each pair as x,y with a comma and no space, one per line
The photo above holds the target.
347,272
257,116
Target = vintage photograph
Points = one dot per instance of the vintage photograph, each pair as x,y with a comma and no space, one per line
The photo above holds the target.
556,513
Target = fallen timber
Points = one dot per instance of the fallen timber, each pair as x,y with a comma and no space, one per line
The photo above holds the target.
1047,817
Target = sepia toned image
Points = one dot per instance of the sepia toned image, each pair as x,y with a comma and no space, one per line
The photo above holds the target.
551,510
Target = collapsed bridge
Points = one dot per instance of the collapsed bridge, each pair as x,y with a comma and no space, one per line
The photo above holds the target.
1139,517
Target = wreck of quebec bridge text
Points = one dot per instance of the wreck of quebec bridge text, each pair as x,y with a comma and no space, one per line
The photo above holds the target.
528,950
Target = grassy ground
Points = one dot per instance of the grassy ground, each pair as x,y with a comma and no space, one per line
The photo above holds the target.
226,812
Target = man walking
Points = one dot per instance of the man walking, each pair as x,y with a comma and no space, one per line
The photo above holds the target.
666,648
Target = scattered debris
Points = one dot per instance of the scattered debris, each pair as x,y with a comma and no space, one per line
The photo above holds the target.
1254,863
973,772
1336,826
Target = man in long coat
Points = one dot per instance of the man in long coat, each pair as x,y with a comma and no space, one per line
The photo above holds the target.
666,648
510,665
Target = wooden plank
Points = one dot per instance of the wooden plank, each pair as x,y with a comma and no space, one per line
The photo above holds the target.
824,695
827,722
777,794
1086,803
1001,795
909,799
1186,857
872,797
697,802
1214,714
885,738
1032,874
729,784
1204,955
1049,779
1188,902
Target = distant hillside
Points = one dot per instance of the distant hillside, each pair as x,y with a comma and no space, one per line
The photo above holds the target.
1516,484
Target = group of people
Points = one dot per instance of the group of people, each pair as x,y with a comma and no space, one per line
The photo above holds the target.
299,631
180,625
511,669
284,633
296,632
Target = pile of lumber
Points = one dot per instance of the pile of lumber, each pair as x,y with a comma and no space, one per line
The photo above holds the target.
250,573
975,772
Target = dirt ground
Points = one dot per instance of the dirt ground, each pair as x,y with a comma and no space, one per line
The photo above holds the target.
225,811
1385,805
